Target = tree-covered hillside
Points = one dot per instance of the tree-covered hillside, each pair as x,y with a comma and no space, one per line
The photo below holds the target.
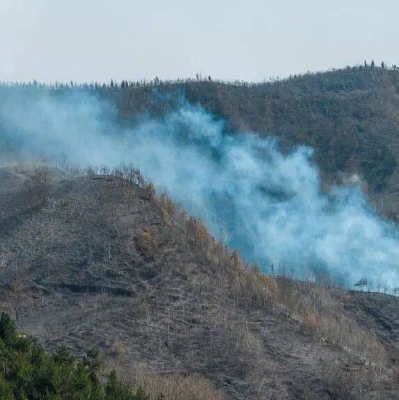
349,116
29,372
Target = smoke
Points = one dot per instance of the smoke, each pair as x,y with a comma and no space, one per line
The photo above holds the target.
252,196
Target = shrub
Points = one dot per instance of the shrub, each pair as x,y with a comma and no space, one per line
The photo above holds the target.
28,372
38,187
174,386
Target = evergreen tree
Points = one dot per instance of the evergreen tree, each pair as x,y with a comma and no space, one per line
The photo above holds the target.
28,372
7,328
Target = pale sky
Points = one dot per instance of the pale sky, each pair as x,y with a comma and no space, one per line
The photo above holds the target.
96,40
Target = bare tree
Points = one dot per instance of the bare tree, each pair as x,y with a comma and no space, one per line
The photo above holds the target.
38,187
17,289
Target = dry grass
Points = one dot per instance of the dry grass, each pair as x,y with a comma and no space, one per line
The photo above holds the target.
395,375
246,284
341,331
250,288
232,335
324,317
231,342
174,386
146,242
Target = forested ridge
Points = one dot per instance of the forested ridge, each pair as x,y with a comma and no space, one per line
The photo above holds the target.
29,372
349,116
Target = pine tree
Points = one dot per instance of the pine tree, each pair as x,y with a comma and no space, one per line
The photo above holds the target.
7,328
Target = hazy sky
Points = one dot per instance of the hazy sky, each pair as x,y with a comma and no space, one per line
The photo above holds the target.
87,40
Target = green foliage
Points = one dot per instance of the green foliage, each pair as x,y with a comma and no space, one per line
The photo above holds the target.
29,372
7,329
117,390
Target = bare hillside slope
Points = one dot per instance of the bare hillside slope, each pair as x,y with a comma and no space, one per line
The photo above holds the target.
101,260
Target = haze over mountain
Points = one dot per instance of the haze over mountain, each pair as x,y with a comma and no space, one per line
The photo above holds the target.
259,193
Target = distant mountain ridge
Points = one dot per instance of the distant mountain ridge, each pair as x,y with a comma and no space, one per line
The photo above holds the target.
349,116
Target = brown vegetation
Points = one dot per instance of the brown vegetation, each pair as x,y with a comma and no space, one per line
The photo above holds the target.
37,187
115,265
174,386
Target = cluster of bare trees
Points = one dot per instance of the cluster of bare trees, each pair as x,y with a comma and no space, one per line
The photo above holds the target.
37,187
17,289
379,286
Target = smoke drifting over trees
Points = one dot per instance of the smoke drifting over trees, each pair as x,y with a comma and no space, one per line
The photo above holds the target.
255,197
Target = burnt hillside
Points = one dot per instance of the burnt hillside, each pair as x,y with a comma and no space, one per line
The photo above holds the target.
99,259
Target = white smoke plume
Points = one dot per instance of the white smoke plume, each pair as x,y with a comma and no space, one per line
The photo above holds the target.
266,203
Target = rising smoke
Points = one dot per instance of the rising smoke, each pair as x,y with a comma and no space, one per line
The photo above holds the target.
266,203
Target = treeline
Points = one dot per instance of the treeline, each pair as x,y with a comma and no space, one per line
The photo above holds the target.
114,85
29,372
